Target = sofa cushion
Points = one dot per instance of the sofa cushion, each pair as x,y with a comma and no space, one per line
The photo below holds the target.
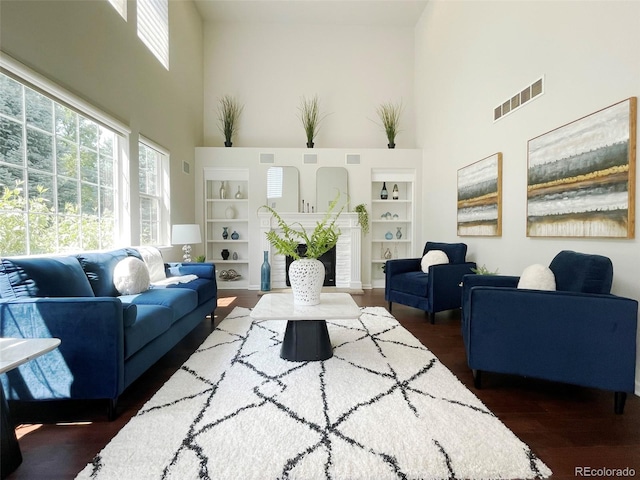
43,277
131,276
457,252
99,267
537,277
179,300
205,288
414,283
150,322
129,313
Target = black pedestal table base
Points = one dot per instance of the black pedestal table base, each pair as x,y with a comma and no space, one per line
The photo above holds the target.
306,340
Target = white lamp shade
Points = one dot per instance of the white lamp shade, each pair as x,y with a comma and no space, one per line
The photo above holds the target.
185,234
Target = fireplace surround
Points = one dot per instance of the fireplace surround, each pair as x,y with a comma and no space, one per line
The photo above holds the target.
328,259
348,248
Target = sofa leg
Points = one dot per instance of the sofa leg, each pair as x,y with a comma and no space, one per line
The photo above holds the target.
432,317
619,400
477,378
389,307
112,408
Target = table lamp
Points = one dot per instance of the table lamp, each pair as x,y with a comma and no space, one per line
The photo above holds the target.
185,235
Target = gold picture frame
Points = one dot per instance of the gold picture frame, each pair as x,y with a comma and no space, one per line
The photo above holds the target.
480,198
581,176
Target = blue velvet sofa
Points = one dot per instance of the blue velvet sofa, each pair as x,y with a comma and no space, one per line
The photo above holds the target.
578,334
107,340
434,291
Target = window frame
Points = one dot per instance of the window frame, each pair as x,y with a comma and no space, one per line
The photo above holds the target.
164,194
33,80
120,6
152,27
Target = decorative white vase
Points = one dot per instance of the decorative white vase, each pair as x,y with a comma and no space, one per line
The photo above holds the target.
306,276
230,212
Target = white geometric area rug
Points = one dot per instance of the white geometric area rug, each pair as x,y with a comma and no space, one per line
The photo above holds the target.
383,407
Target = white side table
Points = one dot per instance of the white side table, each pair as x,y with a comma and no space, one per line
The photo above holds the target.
306,337
13,353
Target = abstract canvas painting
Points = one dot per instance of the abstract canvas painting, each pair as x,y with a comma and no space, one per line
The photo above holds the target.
581,176
480,197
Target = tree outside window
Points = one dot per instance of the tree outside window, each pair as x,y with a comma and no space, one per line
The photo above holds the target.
57,175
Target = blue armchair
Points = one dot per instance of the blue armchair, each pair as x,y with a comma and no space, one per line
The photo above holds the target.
578,334
435,291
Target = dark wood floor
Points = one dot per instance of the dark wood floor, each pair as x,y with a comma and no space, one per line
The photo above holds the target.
567,427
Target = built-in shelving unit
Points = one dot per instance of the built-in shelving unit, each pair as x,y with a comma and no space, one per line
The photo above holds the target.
392,219
227,207
360,264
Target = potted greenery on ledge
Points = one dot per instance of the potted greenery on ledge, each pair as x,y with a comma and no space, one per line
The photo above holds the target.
229,111
310,117
389,114
306,272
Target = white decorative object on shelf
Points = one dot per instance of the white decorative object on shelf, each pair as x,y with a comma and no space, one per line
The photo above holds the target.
225,213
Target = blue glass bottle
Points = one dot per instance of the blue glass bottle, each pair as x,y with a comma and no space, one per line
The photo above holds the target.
265,273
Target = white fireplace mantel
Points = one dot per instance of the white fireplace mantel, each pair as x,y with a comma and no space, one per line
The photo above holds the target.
348,248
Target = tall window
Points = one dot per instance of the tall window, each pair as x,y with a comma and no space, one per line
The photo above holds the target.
152,164
153,28
58,189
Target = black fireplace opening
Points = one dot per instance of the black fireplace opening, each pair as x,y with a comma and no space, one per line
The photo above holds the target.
328,259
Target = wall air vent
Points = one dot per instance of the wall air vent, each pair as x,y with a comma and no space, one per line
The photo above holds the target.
519,99
353,159
267,158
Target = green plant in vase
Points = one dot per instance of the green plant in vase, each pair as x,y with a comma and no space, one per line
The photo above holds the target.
306,272
322,239
389,115
229,111
309,113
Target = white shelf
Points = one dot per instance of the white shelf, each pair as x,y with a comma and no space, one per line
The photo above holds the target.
403,207
216,217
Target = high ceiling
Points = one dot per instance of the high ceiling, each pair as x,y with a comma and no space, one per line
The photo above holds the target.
403,13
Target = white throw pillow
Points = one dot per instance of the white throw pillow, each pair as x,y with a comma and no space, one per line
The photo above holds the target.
433,257
537,277
131,276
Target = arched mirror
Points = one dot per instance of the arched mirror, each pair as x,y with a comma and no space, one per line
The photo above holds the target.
330,181
282,189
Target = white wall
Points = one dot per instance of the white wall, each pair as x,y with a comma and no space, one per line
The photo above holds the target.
269,67
87,48
471,56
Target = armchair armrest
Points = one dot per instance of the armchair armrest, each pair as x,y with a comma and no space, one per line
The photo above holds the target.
444,284
89,363
202,270
583,339
397,266
402,265
475,280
